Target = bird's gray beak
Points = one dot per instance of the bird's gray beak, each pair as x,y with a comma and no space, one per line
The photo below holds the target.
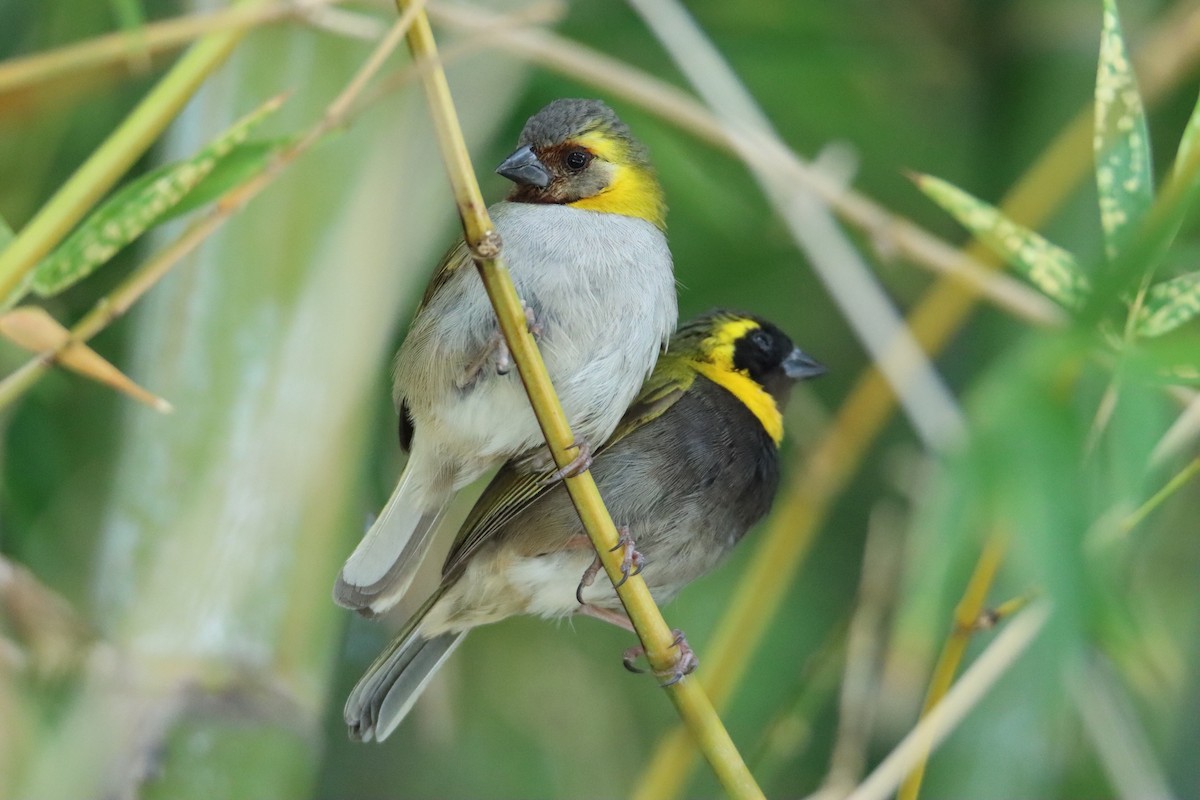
525,168
799,365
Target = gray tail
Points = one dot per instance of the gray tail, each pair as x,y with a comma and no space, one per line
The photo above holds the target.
382,567
391,685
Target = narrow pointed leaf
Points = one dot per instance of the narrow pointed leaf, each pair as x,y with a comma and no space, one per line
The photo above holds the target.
1169,304
130,14
241,164
35,330
1047,266
135,208
1124,175
6,236
1189,141
1184,373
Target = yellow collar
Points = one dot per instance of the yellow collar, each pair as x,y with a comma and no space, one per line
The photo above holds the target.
715,362
749,393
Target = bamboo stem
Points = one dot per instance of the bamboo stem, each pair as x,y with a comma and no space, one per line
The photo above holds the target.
975,683
966,618
693,705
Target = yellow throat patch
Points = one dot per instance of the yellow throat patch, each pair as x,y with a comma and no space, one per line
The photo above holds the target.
715,362
633,191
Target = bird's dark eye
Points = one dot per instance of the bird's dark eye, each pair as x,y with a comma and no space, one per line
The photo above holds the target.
761,340
577,160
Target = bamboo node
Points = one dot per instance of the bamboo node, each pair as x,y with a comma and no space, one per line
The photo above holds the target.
488,247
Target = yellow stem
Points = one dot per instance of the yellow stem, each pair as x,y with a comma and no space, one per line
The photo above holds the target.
692,704
966,619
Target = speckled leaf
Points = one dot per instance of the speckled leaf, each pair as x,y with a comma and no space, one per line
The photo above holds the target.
1047,266
133,209
1121,142
1182,373
1169,304
242,163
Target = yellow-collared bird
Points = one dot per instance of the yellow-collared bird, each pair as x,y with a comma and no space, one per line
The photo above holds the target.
583,237
691,467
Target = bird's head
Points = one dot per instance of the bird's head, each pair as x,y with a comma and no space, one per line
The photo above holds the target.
748,356
579,153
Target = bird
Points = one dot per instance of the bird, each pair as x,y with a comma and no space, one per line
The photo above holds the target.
584,239
693,464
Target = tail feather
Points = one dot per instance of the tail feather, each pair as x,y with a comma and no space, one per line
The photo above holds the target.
382,567
391,685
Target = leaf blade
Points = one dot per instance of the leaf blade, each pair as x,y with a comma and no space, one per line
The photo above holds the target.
1169,304
35,330
135,208
1047,266
1121,142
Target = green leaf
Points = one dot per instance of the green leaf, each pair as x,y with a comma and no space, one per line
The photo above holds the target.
242,163
1124,172
1189,141
6,237
1169,304
1181,373
132,210
1047,266
129,13
6,233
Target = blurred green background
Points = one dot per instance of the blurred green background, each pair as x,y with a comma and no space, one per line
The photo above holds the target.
199,547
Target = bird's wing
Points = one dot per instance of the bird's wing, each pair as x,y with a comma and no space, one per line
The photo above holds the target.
455,259
512,491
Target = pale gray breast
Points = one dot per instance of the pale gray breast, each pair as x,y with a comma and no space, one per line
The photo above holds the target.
604,290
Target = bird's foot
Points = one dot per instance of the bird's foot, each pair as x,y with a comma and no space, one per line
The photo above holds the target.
531,322
631,564
684,664
578,465
494,355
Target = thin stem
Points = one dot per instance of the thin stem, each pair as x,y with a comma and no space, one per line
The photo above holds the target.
111,159
690,701
1172,486
865,647
966,621
975,683
28,72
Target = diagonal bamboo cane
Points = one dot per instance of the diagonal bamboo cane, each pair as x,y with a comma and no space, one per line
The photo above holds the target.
692,704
